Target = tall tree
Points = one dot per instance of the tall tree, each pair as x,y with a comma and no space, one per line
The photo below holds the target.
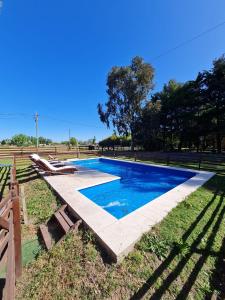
147,131
212,85
128,88
20,140
169,120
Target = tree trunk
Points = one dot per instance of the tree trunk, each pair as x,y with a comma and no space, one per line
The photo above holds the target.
198,143
164,140
132,142
180,144
132,145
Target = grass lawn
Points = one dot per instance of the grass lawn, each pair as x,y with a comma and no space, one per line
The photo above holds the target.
180,258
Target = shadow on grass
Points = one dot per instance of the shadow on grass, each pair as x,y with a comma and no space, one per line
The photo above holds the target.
217,281
217,215
24,170
4,180
23,175
26,175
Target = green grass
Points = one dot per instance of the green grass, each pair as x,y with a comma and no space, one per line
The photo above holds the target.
4,179
41,203
180,257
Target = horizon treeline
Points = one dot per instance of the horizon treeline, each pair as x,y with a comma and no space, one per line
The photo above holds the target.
23,140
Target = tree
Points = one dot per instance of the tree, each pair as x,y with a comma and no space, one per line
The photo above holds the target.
73,142
6,142
114,140
212,87
3,142
44,141
147,130
128,88
168,111
20,140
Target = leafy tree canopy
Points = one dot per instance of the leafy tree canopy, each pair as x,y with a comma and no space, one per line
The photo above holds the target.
115,140
25,140
20,140
73,141
128,88
190,114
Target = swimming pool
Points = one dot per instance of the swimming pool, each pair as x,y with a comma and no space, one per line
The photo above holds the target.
118,223
138,185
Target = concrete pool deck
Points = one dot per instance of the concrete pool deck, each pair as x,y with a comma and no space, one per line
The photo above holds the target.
119,236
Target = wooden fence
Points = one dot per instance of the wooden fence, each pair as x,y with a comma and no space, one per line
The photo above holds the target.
22,153
196,160
10,236
13,150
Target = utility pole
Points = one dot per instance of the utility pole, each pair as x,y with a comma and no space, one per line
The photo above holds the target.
36,123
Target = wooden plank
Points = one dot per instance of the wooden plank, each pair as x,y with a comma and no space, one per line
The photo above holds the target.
2,233
17,236
4,201
4,224
46,236
4,243
3,260
62,222
66,218
24,207
5,213
9,291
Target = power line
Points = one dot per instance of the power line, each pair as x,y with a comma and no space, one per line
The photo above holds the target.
15,115
189,40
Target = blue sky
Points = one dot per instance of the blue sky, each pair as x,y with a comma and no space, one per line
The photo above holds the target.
55,56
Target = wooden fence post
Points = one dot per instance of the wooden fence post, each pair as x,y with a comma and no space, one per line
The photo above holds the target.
17,235
9,290
14,161
24,207
14,193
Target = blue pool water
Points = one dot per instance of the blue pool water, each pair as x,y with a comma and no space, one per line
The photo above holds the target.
139,184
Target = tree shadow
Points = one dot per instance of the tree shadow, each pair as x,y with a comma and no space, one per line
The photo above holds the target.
203,258
217,281
158,293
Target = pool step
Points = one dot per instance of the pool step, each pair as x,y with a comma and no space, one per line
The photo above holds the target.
58,226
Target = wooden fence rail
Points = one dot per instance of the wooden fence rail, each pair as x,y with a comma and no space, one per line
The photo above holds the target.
197,160
10,236
4,151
